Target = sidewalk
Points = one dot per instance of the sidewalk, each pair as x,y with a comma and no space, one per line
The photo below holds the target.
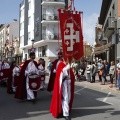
97,85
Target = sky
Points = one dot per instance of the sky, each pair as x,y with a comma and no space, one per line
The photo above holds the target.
9,10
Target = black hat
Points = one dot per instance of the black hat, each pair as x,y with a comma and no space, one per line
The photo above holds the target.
60,53
32,54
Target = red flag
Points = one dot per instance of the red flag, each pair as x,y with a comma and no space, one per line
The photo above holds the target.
72,37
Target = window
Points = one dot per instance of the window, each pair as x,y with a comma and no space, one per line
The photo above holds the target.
22,40
22,12
22,26
29,5
42,51
29,35
29,20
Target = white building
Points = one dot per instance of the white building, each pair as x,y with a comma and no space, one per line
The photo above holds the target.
39,22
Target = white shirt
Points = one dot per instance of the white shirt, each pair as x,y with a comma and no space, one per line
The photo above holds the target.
31,68
16,70
5,66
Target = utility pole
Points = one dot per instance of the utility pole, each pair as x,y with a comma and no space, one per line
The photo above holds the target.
115,51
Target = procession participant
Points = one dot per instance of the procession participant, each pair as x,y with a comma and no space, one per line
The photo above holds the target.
14,78
63,92
5,71
41,68
53,71
5,64
23,90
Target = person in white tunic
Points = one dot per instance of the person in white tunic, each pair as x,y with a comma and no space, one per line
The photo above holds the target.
42,71
15,74
5,65
23,90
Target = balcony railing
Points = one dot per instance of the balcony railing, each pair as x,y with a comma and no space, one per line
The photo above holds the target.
50,36
49,17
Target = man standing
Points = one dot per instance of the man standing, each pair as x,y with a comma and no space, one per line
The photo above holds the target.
53,72
63,92
23,90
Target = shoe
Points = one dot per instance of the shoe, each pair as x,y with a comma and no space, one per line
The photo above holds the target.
33,101
67,118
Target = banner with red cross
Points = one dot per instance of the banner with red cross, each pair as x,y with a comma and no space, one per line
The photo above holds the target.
71,31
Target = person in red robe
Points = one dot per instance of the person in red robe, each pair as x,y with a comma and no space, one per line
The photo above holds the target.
53,72
63,92
23,91
9,81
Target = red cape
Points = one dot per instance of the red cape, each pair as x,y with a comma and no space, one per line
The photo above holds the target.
21,92
9,81
21,64
56,106
52,76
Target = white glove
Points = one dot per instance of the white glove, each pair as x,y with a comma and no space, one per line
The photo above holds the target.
54,71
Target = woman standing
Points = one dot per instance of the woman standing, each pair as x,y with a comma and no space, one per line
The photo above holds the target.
112,73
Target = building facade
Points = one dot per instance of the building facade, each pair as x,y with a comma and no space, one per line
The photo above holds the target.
110,20
9,41
39,24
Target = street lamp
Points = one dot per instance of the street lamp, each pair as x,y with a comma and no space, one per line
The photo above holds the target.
32,49
32,42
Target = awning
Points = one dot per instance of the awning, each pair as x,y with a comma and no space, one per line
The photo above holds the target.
102,49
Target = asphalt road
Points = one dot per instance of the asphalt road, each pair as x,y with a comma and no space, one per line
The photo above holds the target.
88,104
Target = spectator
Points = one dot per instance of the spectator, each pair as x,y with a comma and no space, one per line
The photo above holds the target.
88,70
102,71
93,71
99,67
49,66
112,73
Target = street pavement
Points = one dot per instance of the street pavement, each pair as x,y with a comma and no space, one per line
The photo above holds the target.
97,85
90,103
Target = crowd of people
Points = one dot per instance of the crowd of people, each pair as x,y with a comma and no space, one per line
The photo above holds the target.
100,68
26,79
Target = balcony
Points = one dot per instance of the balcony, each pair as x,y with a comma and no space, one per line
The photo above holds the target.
103,39
53,2
109,27
49,18
50,36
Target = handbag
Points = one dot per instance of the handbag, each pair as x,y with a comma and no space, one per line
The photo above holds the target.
101,72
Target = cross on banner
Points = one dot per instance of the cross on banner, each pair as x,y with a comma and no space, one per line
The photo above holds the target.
71,36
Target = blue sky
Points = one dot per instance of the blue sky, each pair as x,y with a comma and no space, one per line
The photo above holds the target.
9,10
